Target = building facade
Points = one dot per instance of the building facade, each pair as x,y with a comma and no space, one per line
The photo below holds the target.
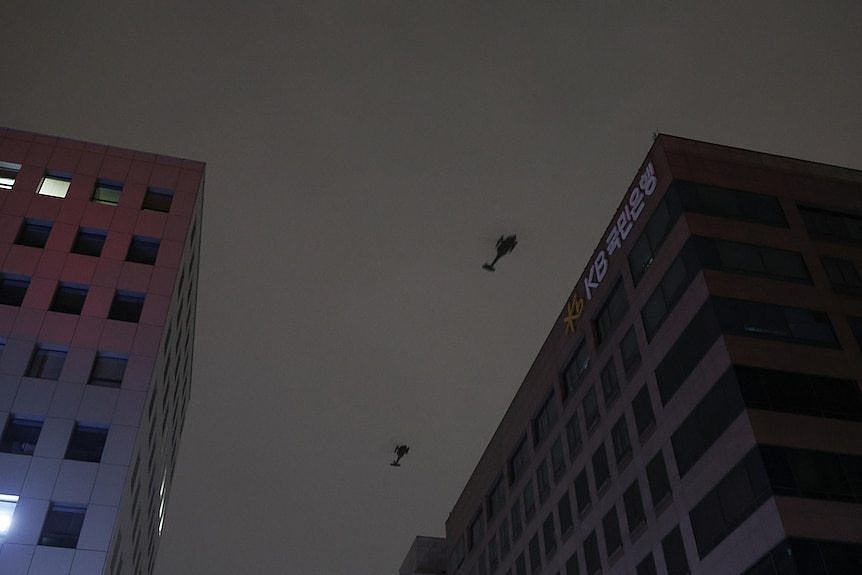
697,407
98,282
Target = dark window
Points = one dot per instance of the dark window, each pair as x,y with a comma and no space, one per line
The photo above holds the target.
572,567
729,203
629,351
86,443
33,233
497,498
660,223
545,420
20,435
646,566
610,384
89,242
13,288
517,522
803,556
659,484
642,408
843,275
635,514
535,554
564,511
686,352
69,298
793,324
158,199
832,225
674,553
706,422
62,526
457,556
591,554
806,394
520,565
856,327
46,363
482,564
143,250
558,459
591,409
493,556
620,436
574,436
734,499
519,461
8,174
543,483
611,526
813,474
107,192
763,261
108,370
669,290
474,534
127,306
529,501
601,471
503,534
612,312
549,535
575,371
582,492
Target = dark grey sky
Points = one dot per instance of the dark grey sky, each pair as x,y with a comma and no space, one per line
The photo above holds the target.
361,163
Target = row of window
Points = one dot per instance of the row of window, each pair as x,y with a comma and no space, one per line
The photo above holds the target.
88,241
47,363
108,192
810,557
21,435
70,297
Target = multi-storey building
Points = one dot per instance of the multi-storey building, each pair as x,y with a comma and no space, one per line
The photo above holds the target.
696,407
98,255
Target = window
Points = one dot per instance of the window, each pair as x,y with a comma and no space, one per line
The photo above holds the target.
612,312
629,351
108,370
519,461
62,526
813,474
8,174
591,554
572,567
751,259
482,564
601,471
55,185
582,493
610,384
642,408
529,501
517,523
46,363
832,225
535,554
20,435
590,406
493,556
574,436
575,371
7,510
660,223
659,484
143,250
33,233
622,443
497,498
646,566
13,288
770,321
707,421
520,565
107,192
126,306
670,289
843,275
564,511
69,298
86,443
674,553
809,556
611,527
158,199
558,459
89,242
543,483
503,533
633,502
728,203
549,535
545,420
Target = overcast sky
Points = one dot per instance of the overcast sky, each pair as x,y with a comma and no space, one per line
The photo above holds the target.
361,161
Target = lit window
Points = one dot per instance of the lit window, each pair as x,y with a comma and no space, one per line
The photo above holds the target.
12,289
20,436
86,443
33,233
55,185
108,370
62,526
46,363
69,298
127,306
89,242
7,509
158,200
8,173
143,250
107,192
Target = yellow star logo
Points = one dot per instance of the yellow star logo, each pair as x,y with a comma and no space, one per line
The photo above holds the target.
573,311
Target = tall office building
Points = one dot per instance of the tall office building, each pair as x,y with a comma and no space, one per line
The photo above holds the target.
696,407
98,255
